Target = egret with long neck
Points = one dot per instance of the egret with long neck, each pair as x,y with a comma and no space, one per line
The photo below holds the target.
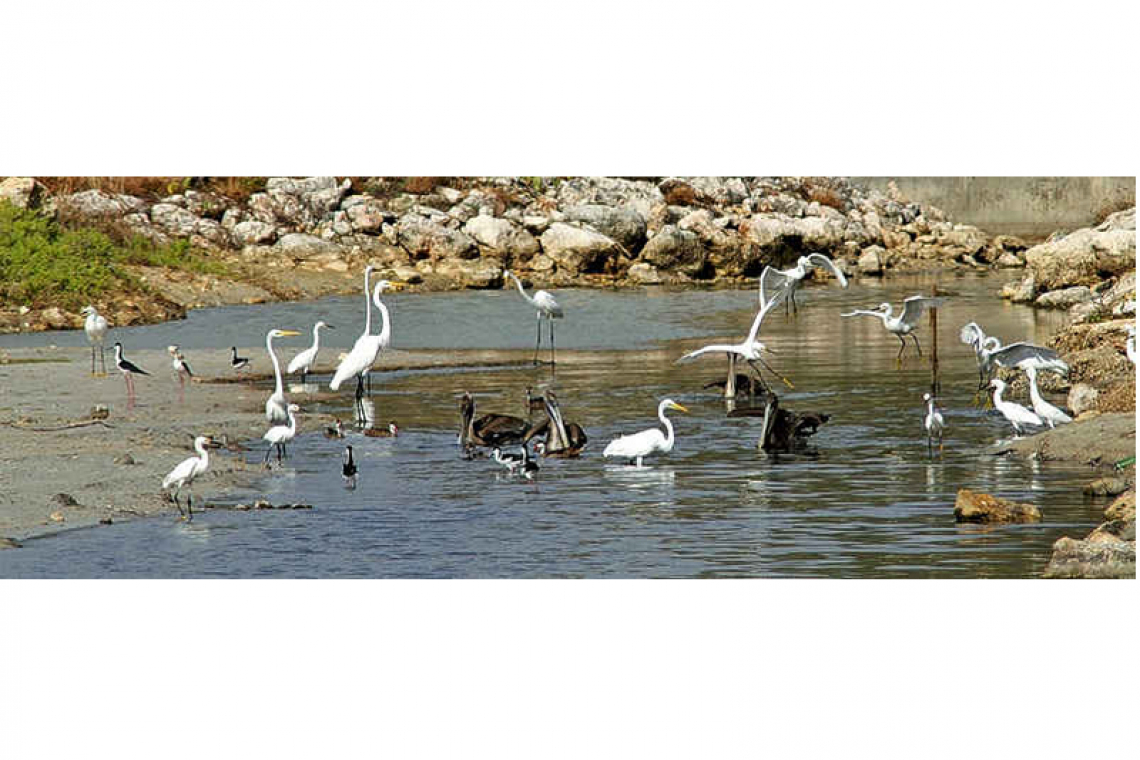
276,408
545,307
1018,415
1041,407
367,347
640,445
304,361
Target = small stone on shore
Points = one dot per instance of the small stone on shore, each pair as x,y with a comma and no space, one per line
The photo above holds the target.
984,508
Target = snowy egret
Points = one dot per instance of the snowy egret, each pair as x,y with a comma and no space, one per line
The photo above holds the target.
903,324
129,370
279,435
490,429
933,423
652,441
96,328
348,469
1018,415
788,280
304,361
989,352
1041,407
545,307
237,362
183,475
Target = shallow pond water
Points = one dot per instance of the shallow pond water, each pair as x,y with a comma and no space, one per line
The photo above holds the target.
867,502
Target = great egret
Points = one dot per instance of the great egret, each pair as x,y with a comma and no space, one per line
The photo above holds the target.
348,469
1017,414
183,475
545,307
279,435
96,328
129,370
304,361
275,406
788,280
652,441
563,439
933,423
904,324
750,349
1041,407
237,362
367,347
989,351
490,429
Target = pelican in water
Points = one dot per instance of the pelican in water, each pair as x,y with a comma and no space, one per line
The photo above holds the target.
904,323
489,429
276,407
545,307
564,440
788,280
637,446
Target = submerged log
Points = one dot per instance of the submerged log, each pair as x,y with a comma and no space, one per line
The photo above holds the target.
783,430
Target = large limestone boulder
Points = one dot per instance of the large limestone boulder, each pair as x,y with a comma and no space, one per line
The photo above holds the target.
429,238
300,245
1107,552
298,204
984,508
501,236
639,195
705,191
472,273
1084,256
623,224
21,192
366,215
1065,297
677,249
97,203
253,232
871,260
577,249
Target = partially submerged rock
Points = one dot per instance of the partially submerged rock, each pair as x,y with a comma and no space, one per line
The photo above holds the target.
1106,487
1107,552
979,507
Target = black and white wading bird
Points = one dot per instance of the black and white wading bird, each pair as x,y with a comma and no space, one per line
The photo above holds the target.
279,435
336,430
180,366
367,348
1042,408
129,370
96,328
516,464
1018,415
934,425
276,407
788,280
904,324
348,469
545,308
183,475
237,363
637,446
304,361
489,429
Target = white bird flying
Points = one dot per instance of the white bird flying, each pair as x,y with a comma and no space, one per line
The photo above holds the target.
279,435
904,324
933,423
545,307
652,441
304,361
96,328
1018,415
777,280
276,408
183,475
368,346
1041,407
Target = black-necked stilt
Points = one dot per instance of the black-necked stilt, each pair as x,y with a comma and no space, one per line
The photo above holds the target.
237,362
348,469
129,370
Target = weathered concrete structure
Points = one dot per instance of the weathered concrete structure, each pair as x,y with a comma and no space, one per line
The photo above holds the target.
1029,207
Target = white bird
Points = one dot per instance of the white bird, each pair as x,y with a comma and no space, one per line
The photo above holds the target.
903,324
1017,414
750,349
989,352
545,307
1130,344
933,423
304,361
1041,407
368,346
183,475
279,435
777,280
276,406
652,441
96,328
516,463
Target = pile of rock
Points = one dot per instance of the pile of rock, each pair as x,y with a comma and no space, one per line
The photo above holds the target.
1108,552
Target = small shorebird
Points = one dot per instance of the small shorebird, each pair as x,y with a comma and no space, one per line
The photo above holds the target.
933,423
129,370
348,469
237,362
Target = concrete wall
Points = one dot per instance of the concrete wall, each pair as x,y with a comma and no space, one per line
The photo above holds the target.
1029,207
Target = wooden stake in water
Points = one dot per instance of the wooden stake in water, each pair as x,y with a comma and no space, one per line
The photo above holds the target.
935,386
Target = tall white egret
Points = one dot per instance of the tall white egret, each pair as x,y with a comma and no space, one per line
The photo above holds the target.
545,307
1041,407
903,324
367,347
1018,415
279,435
237,362
96,328
933,423
304,361
348,468
183,475
129,370
652,441
276,408
777,280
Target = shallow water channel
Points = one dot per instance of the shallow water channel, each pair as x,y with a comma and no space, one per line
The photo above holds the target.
868,502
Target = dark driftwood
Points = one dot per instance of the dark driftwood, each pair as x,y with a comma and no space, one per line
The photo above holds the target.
55,428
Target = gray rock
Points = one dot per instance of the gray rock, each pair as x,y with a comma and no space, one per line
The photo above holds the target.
21,192
1106,487
1107,552
427,238
644,273
253,233
675,248
1064,298
1082,398
97,203
623,224
1020,292
501,236
301,245
1084,256
367,216
577,249
173,219
472,273
639,195
871,260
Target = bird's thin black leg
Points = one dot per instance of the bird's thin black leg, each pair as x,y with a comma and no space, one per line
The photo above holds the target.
268,450
551,342
898,358
916,343
189,507
537,338
93,360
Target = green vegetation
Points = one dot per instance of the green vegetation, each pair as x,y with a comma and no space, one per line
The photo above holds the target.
45,264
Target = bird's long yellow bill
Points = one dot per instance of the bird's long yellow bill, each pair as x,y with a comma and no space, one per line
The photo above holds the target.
396,285
289,332
679,408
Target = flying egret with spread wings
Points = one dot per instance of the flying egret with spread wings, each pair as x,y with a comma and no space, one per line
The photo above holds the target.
990,352
904,323
776,280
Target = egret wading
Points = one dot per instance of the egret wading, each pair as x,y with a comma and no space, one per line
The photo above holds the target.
640,445
183,475
933,423
348,468
276,407
903,324
304,361
96,328
237,363
788,280
1018,415
545,308
1042,408
129,370
279,435
367,347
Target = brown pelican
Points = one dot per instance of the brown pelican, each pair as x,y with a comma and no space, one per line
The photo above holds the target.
563,440
490,429
783,430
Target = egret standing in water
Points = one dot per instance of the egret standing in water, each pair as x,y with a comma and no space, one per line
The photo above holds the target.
933,423
1041,407
778,280
545,307
1018,415
276,408
279,435
903,324
183,475
367,347
640,445
304,361
96,328
129,370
